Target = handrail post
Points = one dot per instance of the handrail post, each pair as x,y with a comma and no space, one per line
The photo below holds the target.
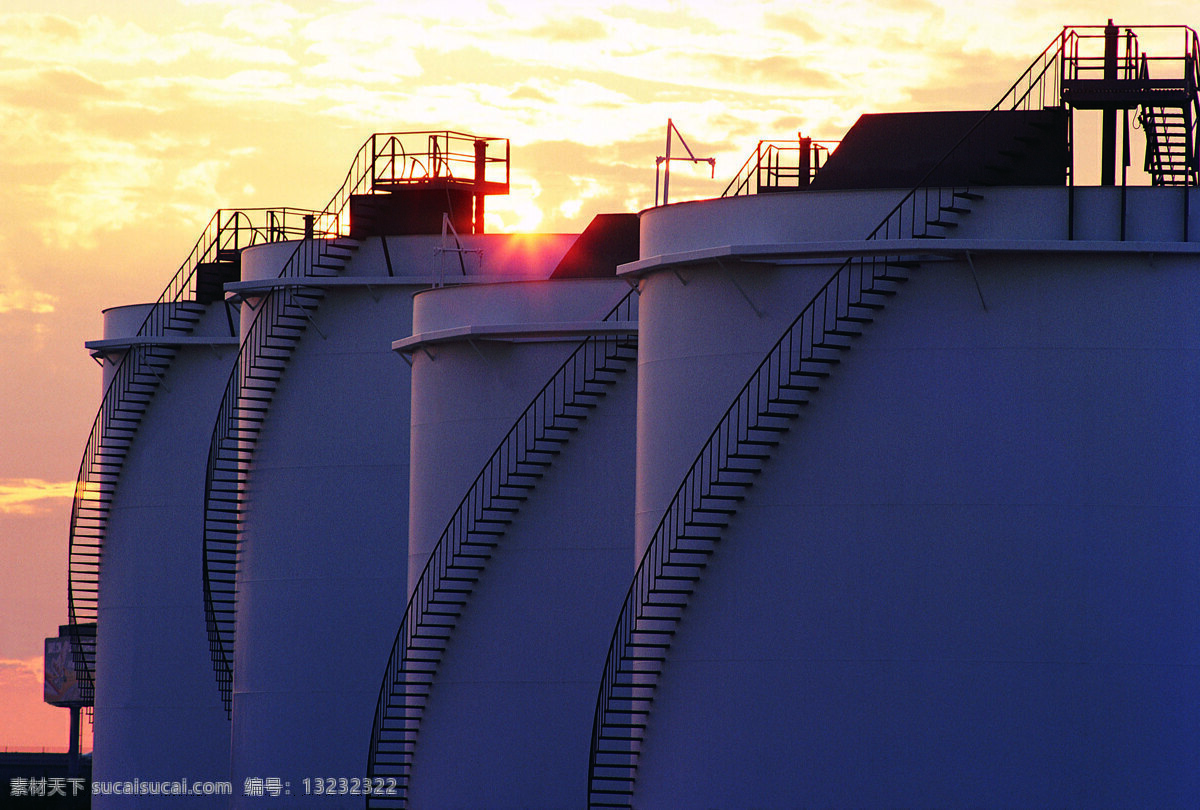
758,167
371,169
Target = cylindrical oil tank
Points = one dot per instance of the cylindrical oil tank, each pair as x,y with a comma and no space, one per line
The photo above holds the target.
323,552
966,575
158,717
511,705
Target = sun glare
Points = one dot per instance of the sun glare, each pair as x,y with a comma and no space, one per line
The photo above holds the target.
515,213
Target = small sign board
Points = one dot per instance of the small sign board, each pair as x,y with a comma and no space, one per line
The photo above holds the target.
61,684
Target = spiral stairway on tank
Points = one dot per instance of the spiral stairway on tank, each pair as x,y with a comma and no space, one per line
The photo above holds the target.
767,406
215,259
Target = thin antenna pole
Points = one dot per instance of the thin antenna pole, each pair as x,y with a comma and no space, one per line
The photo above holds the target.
666,174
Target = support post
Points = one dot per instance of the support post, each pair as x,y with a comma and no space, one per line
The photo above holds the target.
805,160
480,176
73,751
1108,165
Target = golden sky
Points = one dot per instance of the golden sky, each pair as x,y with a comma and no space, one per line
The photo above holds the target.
124,126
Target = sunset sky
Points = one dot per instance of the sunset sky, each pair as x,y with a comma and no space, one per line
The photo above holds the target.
124,126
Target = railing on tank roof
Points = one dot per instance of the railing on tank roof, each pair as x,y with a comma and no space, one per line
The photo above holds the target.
391,159
1081,62
780,166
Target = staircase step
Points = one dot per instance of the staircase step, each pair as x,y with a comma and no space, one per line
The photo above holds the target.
834,345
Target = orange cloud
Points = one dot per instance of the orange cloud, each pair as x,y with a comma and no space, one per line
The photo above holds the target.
573,29
26,496
39,303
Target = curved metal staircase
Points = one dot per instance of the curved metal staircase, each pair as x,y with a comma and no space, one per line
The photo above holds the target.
740,446
215,257
383,165
472,535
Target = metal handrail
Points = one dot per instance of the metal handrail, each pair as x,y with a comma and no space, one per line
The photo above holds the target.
722,459
384,160
1129,63
228,229
524,442
1192,75
767,160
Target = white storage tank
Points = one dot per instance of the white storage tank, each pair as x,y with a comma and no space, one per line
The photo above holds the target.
157,717
924,533
966,574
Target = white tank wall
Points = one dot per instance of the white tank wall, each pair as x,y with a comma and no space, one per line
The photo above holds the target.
763,219
968,575
158,716
714,321
471,391
120,323
701,331
510,713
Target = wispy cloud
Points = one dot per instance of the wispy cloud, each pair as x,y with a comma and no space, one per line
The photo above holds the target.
570,29
39,303
21,670
111,119
263,19
28,496
55,39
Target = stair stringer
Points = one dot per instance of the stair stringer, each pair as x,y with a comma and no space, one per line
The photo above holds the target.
472,535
